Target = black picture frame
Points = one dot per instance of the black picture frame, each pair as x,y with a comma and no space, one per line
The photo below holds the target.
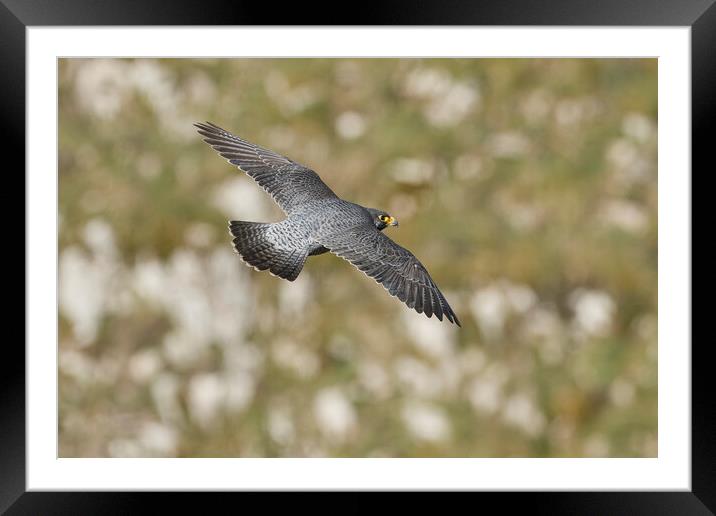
17,15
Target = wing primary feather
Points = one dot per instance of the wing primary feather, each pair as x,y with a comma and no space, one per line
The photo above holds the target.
412,294
418,298
389,264
427,305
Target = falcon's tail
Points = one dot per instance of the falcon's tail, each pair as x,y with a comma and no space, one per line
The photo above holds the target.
256,248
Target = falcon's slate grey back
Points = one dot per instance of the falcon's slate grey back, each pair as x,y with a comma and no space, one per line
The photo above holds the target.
319,221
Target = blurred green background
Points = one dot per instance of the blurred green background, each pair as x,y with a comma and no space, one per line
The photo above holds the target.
528,188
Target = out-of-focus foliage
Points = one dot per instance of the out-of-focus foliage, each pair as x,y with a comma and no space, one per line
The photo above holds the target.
526,186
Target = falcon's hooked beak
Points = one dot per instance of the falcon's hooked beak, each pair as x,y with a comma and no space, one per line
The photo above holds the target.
392,221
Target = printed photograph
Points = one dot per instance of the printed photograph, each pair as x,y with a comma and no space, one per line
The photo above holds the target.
357,257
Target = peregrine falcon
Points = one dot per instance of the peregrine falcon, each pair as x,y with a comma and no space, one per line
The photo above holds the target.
317,221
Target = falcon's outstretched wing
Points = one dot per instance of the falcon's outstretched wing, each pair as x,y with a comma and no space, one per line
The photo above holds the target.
289,183
393,266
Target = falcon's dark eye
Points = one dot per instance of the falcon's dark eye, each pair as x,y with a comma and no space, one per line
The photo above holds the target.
384,218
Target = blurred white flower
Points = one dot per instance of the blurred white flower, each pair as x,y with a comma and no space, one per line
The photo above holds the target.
101,87
293,297
155,82
544,327
125,448
300,98
288,355
148,280
542,323
426,82
485,396
628,163
350,125
622,154
239,199
625,215
90,285
489,308
99,237
205,399
144,364
426,422
334,414
520,214
83,291
448,101
520,297
290,99
451,374
165,395
593,311
374,378
419,379
201,300
240,389
243,357
188,300
76,364
280,425
485,391
521,412
158,440
492,304
231,314
639,127
411,171
569,112
181,350
201,89
453,106
430,336
536,106
510,144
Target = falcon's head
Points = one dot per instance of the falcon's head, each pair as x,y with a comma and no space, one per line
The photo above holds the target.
382,219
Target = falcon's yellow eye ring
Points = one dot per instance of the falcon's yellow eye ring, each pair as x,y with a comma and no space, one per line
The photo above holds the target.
384,218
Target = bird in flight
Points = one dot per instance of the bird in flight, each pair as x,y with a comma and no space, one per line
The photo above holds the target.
318,221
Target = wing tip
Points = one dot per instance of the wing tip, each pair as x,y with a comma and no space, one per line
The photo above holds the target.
208,127
450,316
453,319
